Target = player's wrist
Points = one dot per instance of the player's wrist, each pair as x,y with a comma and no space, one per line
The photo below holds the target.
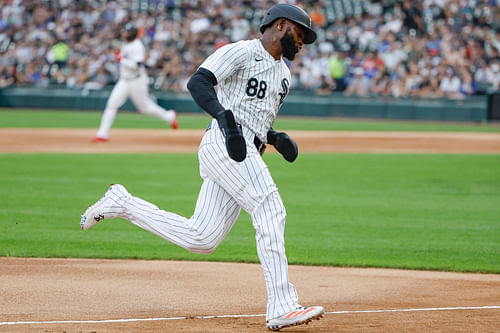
271,137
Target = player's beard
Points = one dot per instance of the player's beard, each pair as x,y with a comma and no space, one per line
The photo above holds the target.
288,46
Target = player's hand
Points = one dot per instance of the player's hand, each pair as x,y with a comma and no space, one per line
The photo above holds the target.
235,142
118,56
284,144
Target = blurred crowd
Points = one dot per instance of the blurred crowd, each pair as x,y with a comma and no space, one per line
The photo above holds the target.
399,48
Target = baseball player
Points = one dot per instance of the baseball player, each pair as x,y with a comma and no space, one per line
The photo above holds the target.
133,83
253,80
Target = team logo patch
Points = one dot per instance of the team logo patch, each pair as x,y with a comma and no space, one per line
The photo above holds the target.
285,86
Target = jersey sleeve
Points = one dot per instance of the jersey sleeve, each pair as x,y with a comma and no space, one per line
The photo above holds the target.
226,60
132,55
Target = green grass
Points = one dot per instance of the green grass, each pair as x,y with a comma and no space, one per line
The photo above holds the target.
90,119
439,212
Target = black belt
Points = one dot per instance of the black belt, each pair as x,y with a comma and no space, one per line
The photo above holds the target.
258,144
210,126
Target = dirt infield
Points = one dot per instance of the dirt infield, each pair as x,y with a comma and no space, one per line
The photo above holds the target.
170,296
158,141
80,295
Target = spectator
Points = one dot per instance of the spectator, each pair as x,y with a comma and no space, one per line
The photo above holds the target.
317,15
240,28
371,64
398,80
467,85
59,53
429,88
368,39
99,80
381,84
413,79
450,84
311,73
458,34
337,70
8,75
394,55
434,44
359,85
412,17
353,31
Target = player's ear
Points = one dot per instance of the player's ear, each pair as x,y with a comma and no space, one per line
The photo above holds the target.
281,24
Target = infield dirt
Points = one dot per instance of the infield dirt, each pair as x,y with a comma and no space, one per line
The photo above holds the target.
158,141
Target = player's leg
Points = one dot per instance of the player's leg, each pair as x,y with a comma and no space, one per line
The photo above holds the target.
269,223
116,99
140,97
214,216
251,185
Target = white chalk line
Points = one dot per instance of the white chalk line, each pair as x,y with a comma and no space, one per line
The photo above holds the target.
236,316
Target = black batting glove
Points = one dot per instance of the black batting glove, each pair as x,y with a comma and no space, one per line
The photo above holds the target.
235,142
283,144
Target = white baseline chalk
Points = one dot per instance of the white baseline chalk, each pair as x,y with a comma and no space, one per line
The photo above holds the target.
235,316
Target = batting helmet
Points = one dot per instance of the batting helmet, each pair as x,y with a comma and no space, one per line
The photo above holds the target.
292,13
131,32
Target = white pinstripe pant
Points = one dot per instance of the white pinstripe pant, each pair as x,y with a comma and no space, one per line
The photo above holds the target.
229,186
138,91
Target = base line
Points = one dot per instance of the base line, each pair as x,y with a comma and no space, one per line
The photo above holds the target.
414,310
236,316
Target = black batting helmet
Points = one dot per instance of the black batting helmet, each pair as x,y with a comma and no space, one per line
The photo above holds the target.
292,13
131,32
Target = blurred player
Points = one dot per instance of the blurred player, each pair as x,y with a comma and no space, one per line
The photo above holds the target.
133,83
253,81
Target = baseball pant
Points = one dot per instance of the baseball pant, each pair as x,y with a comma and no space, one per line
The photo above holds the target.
137,90
227,187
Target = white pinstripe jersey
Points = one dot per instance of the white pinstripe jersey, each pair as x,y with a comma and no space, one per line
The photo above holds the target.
251,83
132,53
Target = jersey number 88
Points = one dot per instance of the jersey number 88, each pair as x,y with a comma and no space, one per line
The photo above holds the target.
256,88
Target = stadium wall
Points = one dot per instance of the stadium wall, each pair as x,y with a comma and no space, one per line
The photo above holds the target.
473,109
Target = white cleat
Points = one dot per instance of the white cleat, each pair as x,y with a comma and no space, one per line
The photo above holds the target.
106,207
298,316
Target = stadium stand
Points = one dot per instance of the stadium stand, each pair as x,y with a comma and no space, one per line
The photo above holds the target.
421,49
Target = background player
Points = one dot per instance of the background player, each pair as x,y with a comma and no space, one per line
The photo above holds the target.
253,81
133,83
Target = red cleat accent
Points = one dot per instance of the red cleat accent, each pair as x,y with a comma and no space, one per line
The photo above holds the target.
175,124
98,139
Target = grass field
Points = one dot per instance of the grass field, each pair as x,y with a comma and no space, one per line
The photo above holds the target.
90,119
439,212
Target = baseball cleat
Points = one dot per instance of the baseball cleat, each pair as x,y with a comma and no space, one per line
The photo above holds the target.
298,316
106,207
175,123
99,139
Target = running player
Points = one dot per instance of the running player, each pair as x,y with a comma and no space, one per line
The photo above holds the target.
253,80
133,83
